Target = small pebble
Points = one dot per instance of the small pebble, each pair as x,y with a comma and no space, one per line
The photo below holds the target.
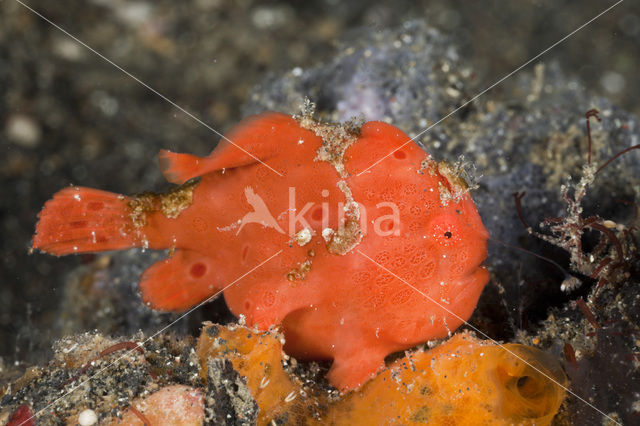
87,417
23,130
68,49
613,82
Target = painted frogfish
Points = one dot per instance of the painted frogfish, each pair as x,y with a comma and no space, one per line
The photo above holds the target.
288,217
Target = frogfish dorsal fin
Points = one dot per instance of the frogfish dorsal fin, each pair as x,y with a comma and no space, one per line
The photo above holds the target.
179,282
256,138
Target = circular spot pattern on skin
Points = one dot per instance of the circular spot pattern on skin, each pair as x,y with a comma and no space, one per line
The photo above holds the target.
384,279
361,277
400,154
316,213
416,227
402,296
370,193
383,258
408,275
199,224
398,262
268,298
418,257
459,262
409,249
428,270
387,226
388,195
409,190
430,206
198,270
376,298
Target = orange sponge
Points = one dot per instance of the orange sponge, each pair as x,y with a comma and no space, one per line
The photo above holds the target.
462,381
258,357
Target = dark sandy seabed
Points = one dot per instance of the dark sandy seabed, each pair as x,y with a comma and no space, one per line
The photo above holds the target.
66,116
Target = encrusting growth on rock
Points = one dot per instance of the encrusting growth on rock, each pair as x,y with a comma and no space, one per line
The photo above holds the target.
171,203
459,177
258,358
240,375
336,137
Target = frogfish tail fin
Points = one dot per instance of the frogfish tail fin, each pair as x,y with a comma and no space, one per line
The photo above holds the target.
84,220
179,168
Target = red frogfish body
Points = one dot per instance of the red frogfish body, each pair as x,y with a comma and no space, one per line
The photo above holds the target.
291,222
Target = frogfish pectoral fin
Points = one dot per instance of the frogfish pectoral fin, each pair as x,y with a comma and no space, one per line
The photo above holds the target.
351,371
179,282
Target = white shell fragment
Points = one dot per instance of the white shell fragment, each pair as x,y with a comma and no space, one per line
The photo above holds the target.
87,417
